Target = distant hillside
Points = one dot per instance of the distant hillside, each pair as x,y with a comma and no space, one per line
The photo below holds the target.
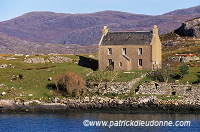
11,45
85,29
183,40
188,11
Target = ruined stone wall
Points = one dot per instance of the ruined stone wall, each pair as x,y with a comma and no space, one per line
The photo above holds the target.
148,88
154,88
113,87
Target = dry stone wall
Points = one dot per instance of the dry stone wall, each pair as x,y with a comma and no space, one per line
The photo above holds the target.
155,88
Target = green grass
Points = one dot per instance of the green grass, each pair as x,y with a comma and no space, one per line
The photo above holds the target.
117,76
35,80
191,76
165,97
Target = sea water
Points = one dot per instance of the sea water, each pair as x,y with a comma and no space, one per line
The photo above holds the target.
74,122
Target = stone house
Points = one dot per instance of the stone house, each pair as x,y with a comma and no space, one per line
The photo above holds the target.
131,50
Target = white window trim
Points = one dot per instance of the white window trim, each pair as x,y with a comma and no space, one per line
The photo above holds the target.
139,51
120,64
123,51
109,51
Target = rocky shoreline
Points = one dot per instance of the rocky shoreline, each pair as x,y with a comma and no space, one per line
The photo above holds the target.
96,103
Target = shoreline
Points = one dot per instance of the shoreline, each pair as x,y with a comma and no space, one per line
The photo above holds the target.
128,105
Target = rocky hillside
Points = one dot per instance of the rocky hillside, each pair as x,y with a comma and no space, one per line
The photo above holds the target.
190,28
11,45
85,29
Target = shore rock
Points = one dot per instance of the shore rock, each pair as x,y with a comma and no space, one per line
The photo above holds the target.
104,103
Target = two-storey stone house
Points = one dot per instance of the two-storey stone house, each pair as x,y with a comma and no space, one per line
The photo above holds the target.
130,50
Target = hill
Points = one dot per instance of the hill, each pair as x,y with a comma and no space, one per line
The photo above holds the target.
184,39
188,11
85,29
11,45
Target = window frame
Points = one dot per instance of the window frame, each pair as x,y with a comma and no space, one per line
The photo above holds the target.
139,62
124,51
120,64
109,51
140,51
110,61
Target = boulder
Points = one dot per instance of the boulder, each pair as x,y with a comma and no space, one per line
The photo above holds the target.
86,99
59,59
50,79
3,66
35,60
4,103
119,102
27,102
3,93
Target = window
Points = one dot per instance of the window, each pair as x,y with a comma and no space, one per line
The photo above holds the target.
110,61
120,64
140,62
124,51
140,51
109,51
110,64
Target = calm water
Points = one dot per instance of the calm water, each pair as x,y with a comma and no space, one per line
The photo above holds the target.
74,122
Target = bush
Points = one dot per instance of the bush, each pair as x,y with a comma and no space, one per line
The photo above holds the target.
183,69
161,75
71,84
176,75
165,75
198,80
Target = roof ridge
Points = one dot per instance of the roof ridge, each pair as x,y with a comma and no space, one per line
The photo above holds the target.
130,31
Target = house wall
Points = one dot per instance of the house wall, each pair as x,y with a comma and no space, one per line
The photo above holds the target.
131,53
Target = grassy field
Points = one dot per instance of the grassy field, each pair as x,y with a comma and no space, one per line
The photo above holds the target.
191,76
35,77
34,83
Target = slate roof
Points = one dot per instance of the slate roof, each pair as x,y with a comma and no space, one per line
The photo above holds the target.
127,38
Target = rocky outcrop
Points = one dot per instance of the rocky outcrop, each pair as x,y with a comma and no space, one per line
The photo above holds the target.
35,60
3,65
190,28
7,104
129,104
53,59
59,59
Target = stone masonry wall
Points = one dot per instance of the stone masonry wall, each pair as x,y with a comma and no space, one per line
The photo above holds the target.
148,88
154,88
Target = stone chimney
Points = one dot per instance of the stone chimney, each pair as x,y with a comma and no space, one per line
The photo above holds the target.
156,49
155,30
104,30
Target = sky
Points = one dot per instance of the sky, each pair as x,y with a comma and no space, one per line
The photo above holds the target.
13,8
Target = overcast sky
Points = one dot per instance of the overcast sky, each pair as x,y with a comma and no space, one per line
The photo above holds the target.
13,8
